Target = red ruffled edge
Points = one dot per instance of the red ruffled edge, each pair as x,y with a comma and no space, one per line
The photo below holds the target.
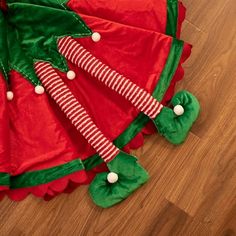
48,191
3,188
70,182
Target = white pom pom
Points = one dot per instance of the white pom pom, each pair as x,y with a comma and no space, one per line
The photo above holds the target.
178,110
112,177
10,95
39,89
96,37
70,75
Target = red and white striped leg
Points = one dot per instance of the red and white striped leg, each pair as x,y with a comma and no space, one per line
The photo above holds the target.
75,111
78,55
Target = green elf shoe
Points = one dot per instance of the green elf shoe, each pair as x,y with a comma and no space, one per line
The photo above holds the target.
126,175
174,124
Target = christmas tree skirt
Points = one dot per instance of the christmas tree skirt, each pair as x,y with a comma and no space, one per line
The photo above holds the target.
81,83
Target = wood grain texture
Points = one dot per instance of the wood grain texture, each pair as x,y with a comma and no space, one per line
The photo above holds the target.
192,190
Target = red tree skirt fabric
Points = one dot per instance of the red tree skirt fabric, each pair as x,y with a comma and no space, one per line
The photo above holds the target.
42,137
148,14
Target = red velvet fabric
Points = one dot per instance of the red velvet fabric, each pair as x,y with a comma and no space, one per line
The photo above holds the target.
41,135
148,14
52,140
142,14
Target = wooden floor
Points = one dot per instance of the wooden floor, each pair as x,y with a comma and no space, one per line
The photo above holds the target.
192,190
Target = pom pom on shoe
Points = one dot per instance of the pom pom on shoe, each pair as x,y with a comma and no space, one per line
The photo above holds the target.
112,177
178,110
175,124
127,175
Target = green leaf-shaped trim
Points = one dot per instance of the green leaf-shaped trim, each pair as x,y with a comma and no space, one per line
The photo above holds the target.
18,60
33,31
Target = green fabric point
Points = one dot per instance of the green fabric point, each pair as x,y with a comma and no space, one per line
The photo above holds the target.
176,128
131,176
33,31
18,60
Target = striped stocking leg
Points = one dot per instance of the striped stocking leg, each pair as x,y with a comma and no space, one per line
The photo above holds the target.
116,160
75,111
168,122
78,55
